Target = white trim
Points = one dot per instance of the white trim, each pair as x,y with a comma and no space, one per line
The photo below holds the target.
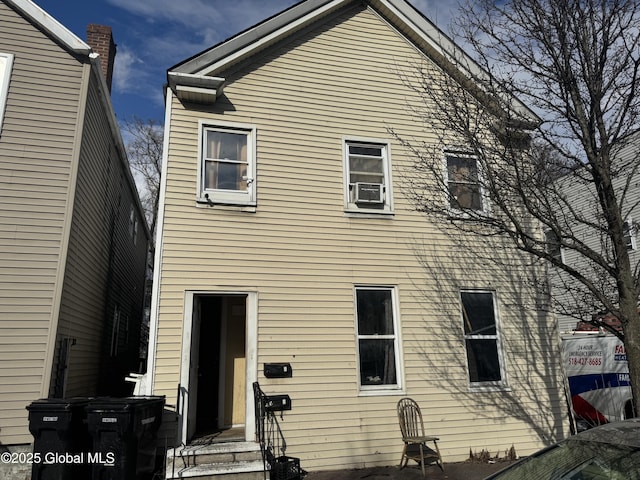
287,22
450,51
502,384
352,208
251,363
157,261
185,364
5,79
548,244
105,98
51,25
228,197
630,228
271,37
375,390
251,360
464,153
196,88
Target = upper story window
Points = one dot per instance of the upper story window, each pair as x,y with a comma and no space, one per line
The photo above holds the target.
227,164
378,346
463,182
482,340
553,245
367,174
6,63
133,225
628,230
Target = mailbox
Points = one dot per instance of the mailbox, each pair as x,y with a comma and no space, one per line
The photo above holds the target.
277,403
278,370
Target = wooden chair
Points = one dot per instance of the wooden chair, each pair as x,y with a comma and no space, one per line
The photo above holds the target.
415,441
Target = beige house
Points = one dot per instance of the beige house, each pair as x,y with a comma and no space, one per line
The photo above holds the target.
285,239
73,239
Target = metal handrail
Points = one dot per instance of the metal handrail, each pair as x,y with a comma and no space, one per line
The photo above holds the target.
273,445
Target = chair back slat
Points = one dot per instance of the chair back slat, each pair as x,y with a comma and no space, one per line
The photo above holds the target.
410,418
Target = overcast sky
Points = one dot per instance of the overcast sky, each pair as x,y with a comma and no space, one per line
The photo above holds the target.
153,35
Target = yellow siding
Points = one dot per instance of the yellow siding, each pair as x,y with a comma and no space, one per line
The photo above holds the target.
36,146
303,256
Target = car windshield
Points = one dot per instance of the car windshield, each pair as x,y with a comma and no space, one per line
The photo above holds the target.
579,460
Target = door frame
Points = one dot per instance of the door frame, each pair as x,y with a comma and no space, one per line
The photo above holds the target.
251,358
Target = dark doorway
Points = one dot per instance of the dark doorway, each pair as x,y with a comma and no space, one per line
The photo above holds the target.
209,365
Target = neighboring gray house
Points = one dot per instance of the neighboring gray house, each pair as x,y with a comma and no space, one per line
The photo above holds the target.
579,204
73,239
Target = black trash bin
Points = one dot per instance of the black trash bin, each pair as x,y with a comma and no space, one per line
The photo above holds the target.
124,436
60,438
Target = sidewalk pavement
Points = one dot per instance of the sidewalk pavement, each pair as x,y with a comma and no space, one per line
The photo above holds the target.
452,471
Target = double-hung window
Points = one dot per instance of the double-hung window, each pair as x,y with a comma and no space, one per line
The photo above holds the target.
629,234
227,164
6,62
133,225
378,346
368,184
553,245
482,340
463,182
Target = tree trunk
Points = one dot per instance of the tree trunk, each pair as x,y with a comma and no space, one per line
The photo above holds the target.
631,321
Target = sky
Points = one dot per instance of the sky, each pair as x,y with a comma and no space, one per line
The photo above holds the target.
154,35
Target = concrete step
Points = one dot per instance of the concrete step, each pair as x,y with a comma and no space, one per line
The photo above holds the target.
221,471
219,461
227,452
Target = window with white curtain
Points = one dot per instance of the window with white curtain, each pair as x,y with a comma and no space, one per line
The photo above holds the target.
227,164
378,346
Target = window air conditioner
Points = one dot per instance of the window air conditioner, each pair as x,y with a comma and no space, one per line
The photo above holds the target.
369,193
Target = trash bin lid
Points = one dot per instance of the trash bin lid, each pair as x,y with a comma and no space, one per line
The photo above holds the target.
123,403
58,404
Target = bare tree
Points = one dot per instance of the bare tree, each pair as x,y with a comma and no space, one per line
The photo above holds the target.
558,183
144,147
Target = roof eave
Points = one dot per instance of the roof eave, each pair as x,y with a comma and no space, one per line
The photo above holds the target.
258,37
51,26
116,134
450,52
410,21
196,88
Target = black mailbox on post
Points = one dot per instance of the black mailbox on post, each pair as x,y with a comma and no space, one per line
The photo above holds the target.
277,403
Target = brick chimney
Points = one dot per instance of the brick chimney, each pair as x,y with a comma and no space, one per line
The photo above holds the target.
100,39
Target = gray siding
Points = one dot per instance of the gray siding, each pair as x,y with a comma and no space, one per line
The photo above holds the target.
583,200
66,255
36,151
105,267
